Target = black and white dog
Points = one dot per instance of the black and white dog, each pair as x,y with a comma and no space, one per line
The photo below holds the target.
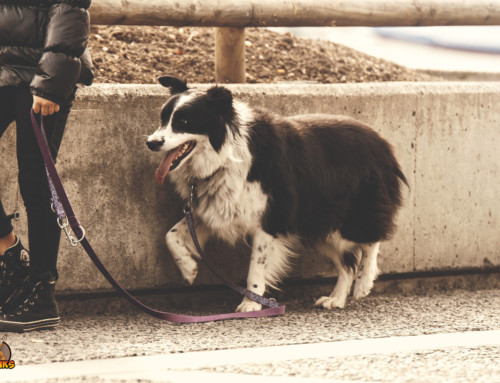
328,182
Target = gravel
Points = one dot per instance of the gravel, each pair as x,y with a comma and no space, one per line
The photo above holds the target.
139,55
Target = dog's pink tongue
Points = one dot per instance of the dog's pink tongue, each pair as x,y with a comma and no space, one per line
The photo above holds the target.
164,167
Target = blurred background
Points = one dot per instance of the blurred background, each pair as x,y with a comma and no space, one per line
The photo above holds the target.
471,52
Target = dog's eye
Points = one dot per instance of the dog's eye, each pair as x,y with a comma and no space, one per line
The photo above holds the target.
181,123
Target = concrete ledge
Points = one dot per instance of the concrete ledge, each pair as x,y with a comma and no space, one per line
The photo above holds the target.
463,75
446,136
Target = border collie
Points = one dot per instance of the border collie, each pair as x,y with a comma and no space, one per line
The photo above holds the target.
324,181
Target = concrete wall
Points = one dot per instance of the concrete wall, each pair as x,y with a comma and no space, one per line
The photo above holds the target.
446,137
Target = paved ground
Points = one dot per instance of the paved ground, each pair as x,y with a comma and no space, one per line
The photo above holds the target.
450,337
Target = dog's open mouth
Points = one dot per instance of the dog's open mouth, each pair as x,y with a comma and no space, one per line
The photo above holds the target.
172,159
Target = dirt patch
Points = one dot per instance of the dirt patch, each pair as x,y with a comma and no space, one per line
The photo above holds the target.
141,54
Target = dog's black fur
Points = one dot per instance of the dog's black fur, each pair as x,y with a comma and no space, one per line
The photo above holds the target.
325,173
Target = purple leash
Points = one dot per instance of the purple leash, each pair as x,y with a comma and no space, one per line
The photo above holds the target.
76,234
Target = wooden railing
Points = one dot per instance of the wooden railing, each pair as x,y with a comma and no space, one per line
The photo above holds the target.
231,17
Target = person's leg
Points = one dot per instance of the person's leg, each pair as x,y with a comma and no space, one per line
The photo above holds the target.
14,268
43,230
6,117
8,240
14,259
33,306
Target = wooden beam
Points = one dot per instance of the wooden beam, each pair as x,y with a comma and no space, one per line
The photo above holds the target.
267,13
230,55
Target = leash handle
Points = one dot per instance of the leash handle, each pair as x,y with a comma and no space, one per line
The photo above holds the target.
64,210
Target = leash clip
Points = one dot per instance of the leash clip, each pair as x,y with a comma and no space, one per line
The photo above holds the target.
68,232
188,206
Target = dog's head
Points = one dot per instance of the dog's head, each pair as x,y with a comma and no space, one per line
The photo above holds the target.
194,127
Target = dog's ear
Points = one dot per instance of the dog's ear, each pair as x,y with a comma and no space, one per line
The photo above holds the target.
221,98
175,84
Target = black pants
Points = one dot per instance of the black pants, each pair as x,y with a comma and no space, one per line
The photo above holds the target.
43,231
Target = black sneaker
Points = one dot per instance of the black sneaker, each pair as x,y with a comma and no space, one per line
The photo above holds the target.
14,267
31,307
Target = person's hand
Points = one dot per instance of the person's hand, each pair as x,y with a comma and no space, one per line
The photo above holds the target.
46,107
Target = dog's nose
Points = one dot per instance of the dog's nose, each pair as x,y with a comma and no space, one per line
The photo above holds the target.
155,145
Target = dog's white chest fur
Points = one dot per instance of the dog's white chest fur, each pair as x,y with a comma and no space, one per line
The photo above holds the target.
231,209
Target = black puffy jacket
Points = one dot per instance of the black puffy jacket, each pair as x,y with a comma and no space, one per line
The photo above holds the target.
43,44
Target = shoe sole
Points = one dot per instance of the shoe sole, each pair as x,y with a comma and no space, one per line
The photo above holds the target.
29,326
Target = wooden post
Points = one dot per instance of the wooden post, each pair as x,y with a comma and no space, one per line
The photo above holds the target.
230,55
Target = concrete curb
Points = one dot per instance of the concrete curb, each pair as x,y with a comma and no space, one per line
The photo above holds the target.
462,75
445,134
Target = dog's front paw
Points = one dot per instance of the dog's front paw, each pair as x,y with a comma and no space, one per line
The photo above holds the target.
331,302
248,305
362,288
189,268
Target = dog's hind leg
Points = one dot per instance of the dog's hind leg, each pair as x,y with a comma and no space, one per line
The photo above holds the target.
183,251
346,259
368,270
268,263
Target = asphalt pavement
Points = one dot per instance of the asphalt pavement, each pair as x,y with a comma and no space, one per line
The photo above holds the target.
434,337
